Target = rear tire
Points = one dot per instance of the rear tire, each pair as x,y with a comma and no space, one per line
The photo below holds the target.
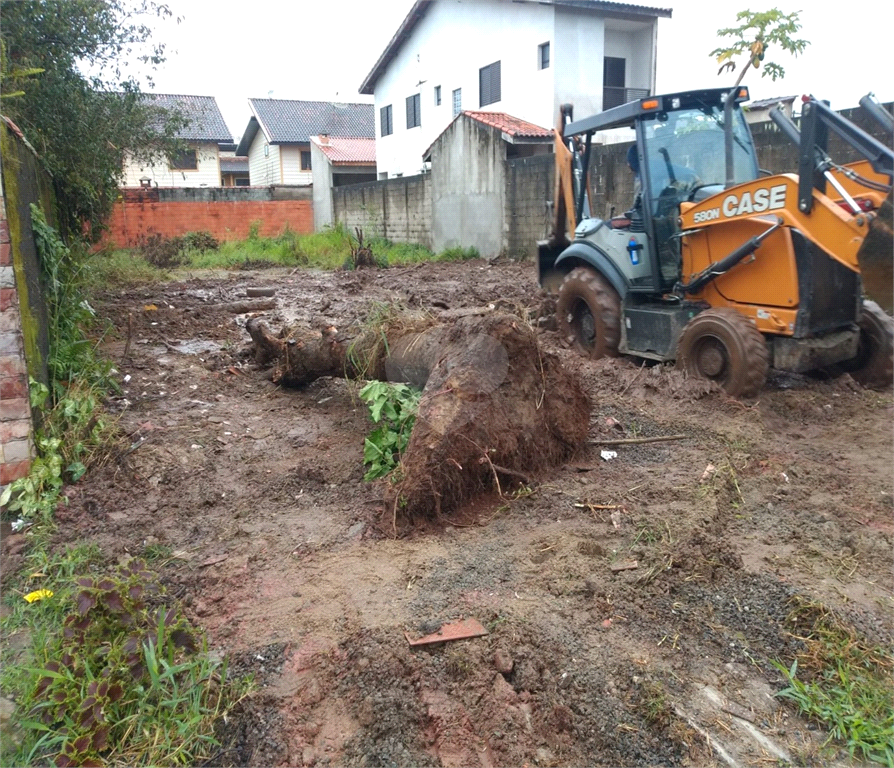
723,346
589,313
873,366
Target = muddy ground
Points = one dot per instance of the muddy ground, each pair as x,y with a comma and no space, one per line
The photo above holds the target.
633,603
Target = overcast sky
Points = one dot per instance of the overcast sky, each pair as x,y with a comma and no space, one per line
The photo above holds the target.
323,50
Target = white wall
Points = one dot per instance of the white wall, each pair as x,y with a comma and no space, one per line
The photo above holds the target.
447,48
580,48
207,173
456,38
322,183
291,165
263,170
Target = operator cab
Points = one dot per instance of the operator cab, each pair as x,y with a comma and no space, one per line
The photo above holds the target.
680,147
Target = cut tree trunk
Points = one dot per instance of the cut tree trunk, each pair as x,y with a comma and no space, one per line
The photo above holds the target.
495,407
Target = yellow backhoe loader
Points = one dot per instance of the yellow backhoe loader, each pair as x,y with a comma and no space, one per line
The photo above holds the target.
719,266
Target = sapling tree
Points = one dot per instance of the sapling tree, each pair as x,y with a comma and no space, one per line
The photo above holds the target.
756,32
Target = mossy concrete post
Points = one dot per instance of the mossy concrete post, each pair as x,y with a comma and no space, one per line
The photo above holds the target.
23,313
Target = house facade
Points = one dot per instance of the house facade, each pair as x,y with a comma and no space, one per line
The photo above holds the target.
198,165
521,57
277,138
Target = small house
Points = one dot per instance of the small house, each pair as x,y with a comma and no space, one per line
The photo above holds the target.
277,138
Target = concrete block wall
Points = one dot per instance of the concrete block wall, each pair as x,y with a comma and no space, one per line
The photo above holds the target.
529,210
16,446
398,209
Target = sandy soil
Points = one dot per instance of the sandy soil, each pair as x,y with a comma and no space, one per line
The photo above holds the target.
289,560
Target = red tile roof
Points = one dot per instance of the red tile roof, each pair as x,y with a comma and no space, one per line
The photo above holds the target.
342,151
512,126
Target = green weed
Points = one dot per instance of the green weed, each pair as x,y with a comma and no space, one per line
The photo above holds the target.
843,683
393,407
73,431
459,254
124,679
106,270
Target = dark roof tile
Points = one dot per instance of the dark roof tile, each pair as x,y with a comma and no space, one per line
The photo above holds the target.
294,122
206,122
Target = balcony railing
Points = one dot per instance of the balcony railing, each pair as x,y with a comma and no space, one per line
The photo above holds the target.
614,97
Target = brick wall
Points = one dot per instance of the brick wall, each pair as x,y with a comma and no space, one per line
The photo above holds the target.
227,213
16,448
397,209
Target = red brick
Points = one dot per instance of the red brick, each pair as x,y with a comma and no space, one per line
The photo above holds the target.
12,365
13,471
4,231
8,298
5,255
15,429
13,386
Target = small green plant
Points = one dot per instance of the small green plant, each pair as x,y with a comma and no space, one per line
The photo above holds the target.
457,253
125,681
72,429
394,408
843,683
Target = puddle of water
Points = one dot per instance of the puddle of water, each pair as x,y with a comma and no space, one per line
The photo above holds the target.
197,347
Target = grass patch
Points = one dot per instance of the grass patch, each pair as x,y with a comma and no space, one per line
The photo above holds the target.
106,270
333,248
842,682
113,674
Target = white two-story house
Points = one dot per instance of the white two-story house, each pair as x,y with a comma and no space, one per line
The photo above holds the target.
521,57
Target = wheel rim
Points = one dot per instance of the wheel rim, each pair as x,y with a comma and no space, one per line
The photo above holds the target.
711,359
584,324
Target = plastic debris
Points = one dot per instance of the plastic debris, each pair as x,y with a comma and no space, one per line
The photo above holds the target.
39,594
608,455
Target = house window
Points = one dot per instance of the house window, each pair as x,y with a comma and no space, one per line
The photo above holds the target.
543,56
385,120
414,116
437,95
613,78
305,159
187,160
489,84
457,101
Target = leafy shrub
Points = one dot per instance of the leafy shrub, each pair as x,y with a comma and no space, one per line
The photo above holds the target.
162,252
394,407
170,252
124,679
201,241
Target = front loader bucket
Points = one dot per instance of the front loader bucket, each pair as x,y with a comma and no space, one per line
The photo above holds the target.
876,258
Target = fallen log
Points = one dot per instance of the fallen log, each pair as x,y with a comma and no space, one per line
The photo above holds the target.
495,407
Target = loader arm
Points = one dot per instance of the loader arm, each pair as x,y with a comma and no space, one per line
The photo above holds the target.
815,167
564,220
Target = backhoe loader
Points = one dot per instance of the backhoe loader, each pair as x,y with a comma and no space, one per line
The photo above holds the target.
719,266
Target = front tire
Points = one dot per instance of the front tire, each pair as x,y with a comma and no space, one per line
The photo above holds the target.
873,366
723,346
589,313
